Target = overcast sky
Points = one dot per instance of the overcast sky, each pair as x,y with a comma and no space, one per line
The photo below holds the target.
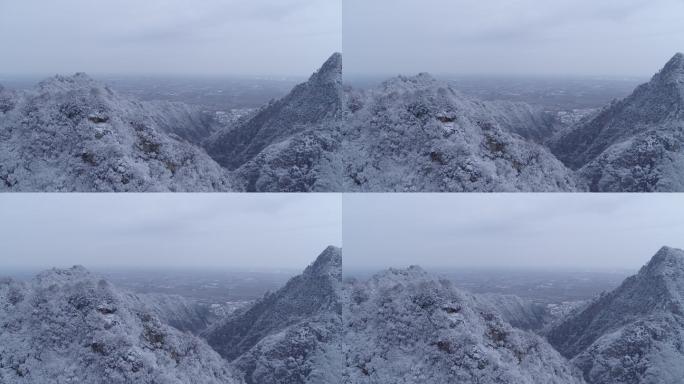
254,37
167,230
567,37
587,231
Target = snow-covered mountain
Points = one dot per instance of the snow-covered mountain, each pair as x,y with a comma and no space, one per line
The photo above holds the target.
518,312
292,335
407,134
71,326
289,144
635,144
405,326
75,134
419,134
177,311
634,334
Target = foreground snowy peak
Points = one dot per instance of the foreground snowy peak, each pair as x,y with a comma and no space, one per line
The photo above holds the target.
668,264
75,134
635,144
292,335
330,72
405,326
419,134
673,72
315,102
72,326
634,334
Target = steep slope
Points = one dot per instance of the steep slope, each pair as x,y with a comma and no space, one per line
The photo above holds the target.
74,134
634,334
532,123
317,101
635,144
404,326
292,335
176,311
68,326
307,162
419,134
188,122
518,312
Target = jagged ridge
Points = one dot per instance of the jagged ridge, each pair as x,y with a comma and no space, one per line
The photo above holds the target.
634,334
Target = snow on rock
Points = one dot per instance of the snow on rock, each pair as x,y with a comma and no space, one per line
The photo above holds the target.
317,101
635,144
70,326
419,134
307,162
405,326
518,312
532,123
188,122
634,334
74,134
290,336
177,311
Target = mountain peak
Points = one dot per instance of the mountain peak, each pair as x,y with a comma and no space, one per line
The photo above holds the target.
673,71
330,71
55,275
328,263
666,262
411,83
61,83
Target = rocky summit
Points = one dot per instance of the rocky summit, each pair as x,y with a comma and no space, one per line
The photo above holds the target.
634,334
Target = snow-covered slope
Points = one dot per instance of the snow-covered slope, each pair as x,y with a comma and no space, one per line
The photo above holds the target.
70,326
518,312
74,134
635,144
419,134
634,334
188,122
284,133
405,326
176,311
292,335
532,123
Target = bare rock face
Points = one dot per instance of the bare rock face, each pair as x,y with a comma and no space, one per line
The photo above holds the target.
405,326
635,144
419,134
634,334
74,134
293,335
71,326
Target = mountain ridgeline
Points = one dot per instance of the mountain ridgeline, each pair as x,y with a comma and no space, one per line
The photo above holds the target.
71,325
407,134
635,144
399,326
634,334
292,335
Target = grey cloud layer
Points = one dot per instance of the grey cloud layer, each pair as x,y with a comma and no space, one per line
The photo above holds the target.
197,230
511,37
287,37
509,230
